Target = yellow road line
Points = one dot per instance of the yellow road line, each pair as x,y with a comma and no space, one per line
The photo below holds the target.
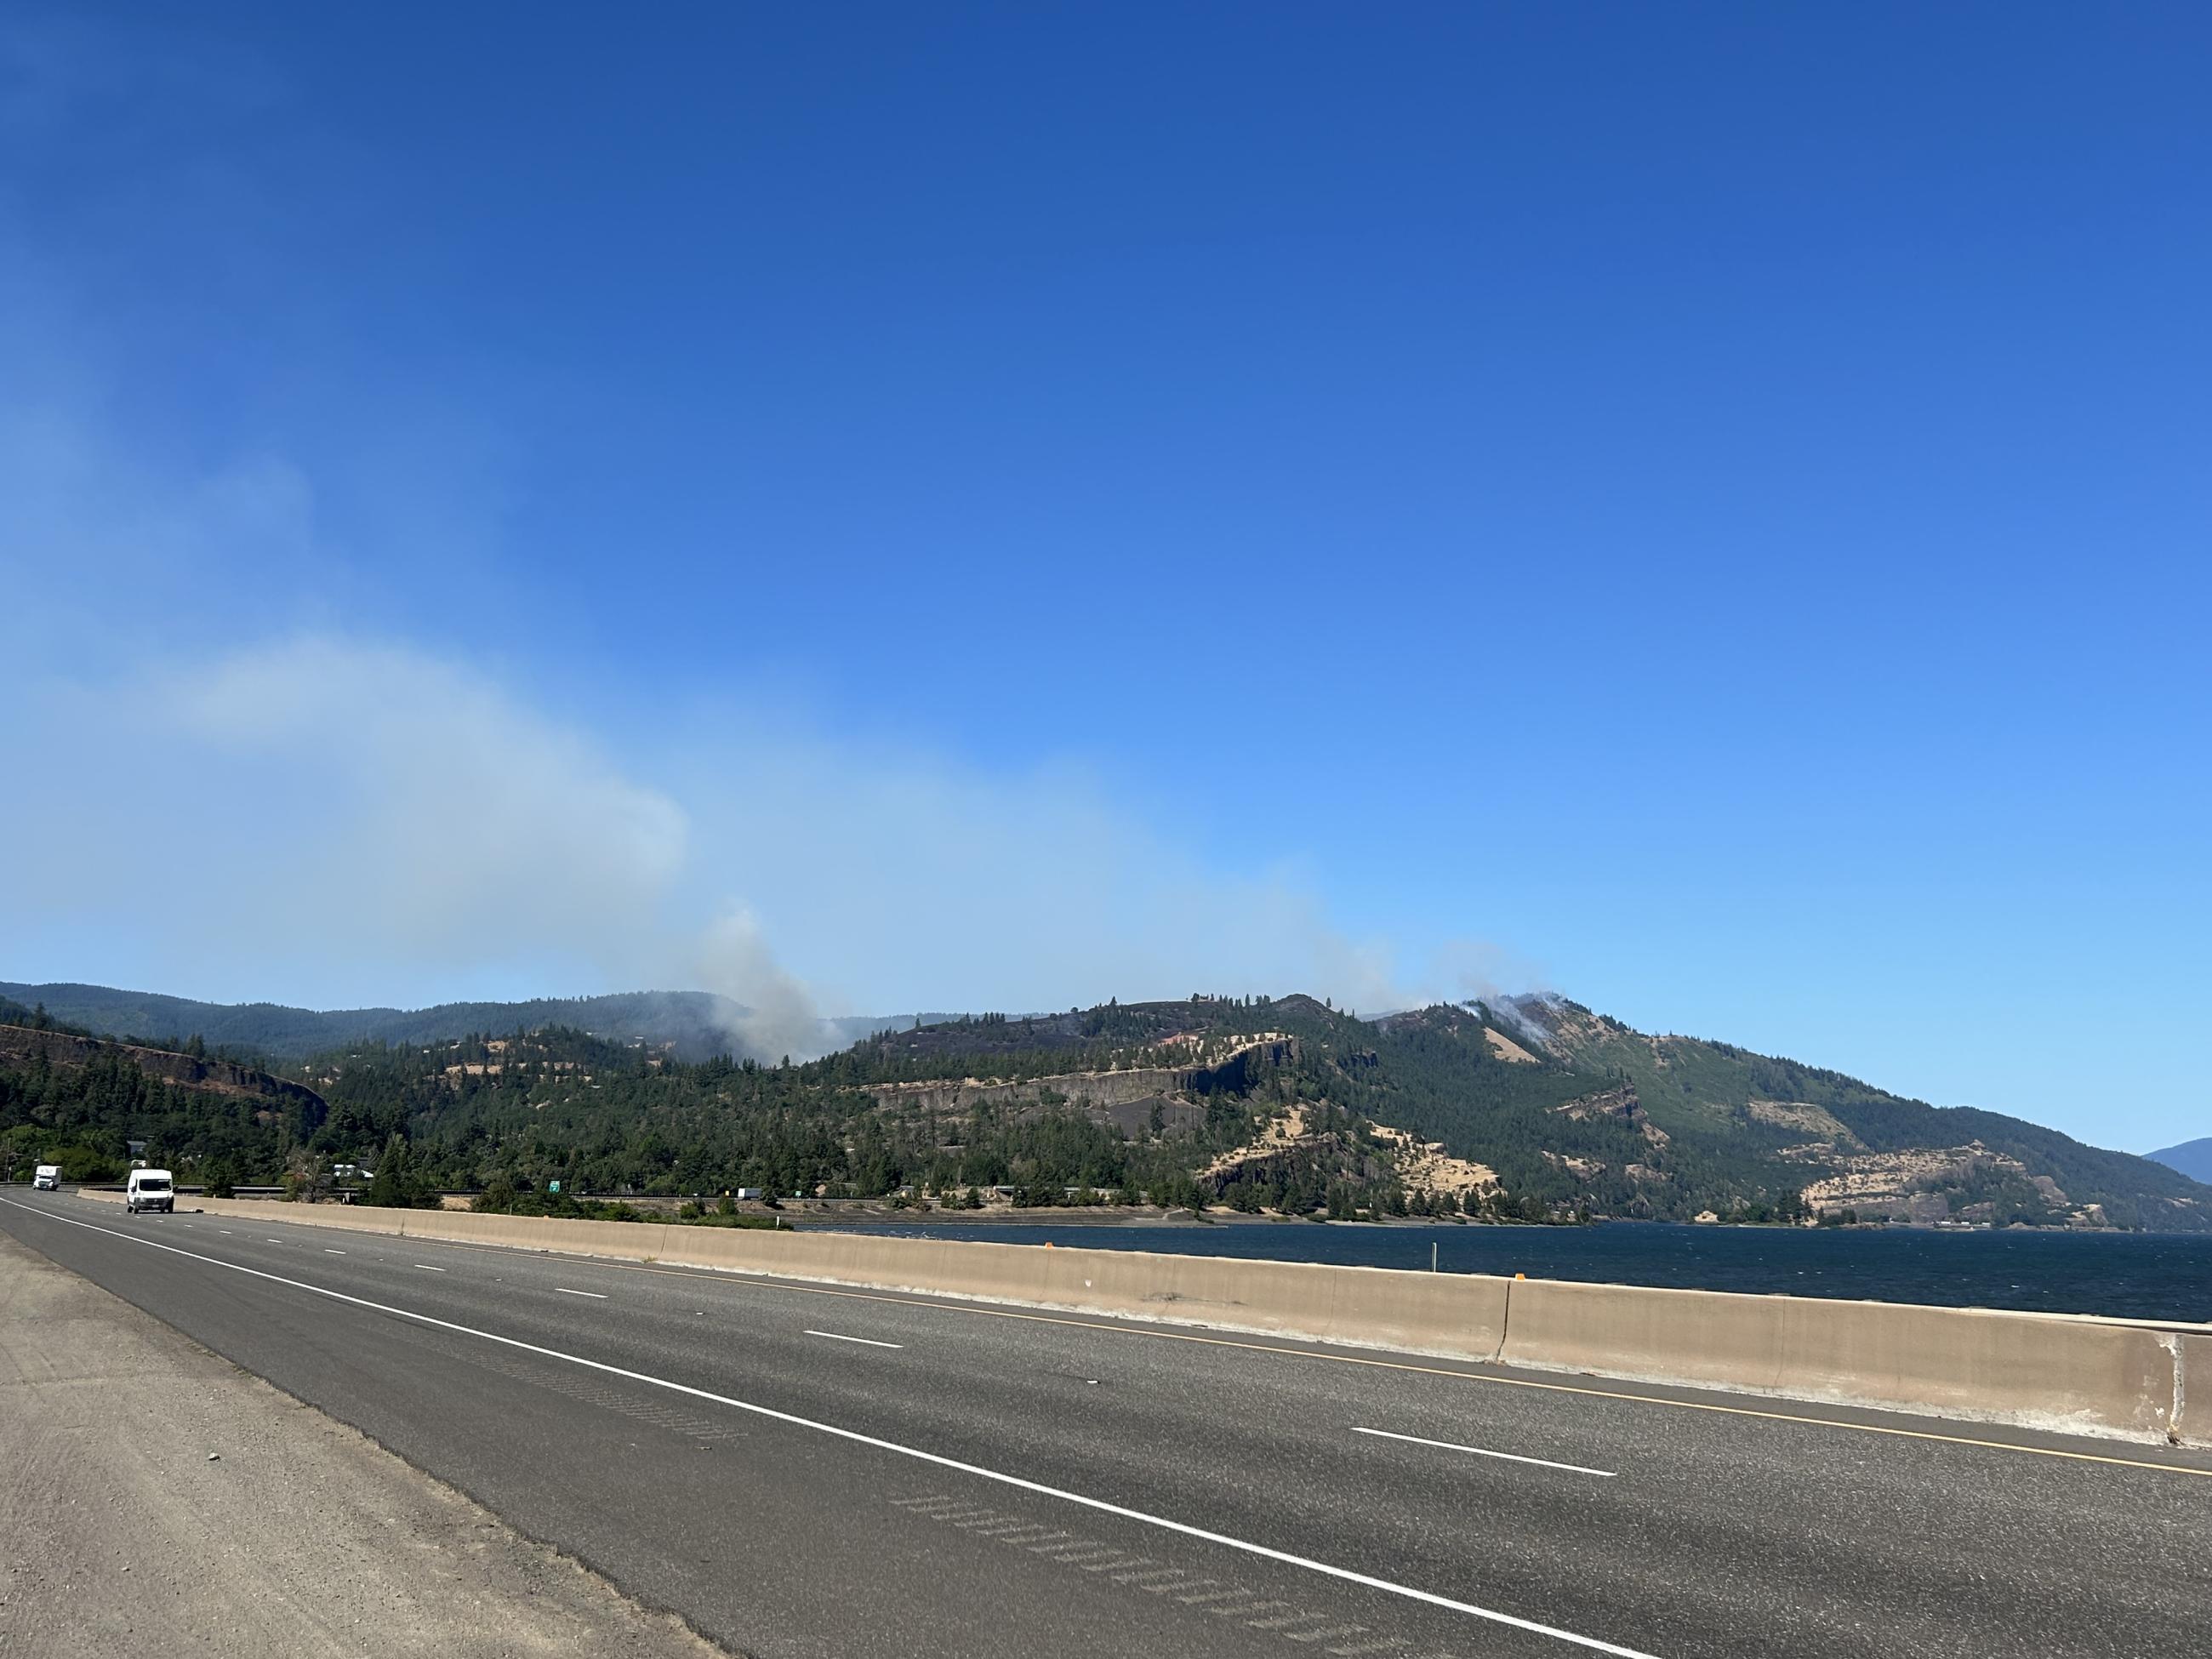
770,1282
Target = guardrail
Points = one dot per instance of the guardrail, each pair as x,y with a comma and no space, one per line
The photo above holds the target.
2053,1371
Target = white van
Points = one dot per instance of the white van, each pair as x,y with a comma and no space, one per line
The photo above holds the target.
46,1178
150,1189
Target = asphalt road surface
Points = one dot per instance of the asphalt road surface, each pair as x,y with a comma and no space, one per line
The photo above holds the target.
800,1470
155,1497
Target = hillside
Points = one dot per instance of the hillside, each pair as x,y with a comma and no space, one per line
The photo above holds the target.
78,1101
1538,1110
695,1024
1859,1147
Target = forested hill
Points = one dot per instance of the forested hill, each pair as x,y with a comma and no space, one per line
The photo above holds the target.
1860,1139
78,1101
1535,1111
697,1024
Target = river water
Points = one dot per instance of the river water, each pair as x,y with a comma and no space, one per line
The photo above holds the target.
2165,1276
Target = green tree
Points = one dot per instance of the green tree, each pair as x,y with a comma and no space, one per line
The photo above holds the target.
397,1185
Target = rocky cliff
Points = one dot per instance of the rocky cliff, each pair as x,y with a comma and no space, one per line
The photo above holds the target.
61,1049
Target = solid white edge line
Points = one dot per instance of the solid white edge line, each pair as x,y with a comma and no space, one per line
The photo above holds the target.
596,1296
1265,1553
838,1336
1484,1451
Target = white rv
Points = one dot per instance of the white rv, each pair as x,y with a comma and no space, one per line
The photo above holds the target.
150,1189
46,1178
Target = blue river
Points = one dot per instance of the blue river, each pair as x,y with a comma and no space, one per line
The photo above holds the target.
2165,1276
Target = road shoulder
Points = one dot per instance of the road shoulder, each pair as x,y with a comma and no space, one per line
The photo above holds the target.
155,1495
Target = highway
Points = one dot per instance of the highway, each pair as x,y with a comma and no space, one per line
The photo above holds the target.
802,1470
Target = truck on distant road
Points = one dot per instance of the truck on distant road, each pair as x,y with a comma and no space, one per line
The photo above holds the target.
46,1178
150,1189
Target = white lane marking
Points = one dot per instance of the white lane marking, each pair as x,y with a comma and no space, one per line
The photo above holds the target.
327,1250
272,1240
427,1268
225,1231
1484,1451
596,1296
838,1336
1183,1529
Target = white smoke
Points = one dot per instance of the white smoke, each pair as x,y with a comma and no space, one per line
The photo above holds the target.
333,821
1528,1012
1469,970
241,800
780,1017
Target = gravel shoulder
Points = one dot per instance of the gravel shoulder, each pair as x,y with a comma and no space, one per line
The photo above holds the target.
155,1496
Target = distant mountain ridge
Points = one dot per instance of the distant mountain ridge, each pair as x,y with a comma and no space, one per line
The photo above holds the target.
699,1023
2192,1158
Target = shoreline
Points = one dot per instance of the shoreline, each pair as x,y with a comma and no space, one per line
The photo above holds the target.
1043,1217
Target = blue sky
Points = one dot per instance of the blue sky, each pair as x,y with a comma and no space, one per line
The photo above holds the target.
1706,508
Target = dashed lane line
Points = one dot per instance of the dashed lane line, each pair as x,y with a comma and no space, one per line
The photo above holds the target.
1484,1451
771,1282
734,1277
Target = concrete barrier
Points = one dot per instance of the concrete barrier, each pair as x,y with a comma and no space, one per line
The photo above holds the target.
2043,1371
352,1217
2192,1390
1459,1315
2082,1376
624,1241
